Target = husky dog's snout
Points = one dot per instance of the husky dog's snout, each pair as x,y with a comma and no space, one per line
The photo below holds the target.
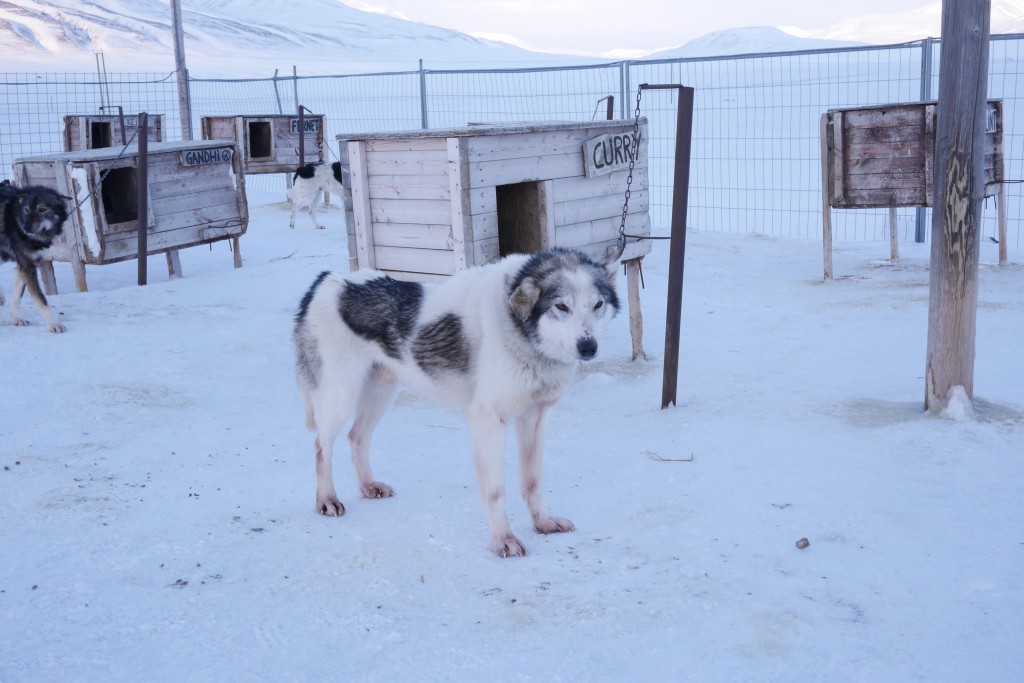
587,348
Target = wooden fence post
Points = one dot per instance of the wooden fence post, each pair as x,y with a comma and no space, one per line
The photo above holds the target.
959,186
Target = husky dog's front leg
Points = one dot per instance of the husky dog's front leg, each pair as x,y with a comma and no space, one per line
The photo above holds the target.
25,277
488,432
530,434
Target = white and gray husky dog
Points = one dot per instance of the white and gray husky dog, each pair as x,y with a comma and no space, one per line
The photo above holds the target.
500,341
308,183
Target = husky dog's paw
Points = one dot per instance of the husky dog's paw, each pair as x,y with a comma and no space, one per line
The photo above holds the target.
376,489
57,328
329,506
509,546
553,525
20,322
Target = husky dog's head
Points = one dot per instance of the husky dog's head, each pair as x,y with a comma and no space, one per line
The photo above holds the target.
41,212
562,301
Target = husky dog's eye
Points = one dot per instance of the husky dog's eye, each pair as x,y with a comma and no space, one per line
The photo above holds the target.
598,305
562,307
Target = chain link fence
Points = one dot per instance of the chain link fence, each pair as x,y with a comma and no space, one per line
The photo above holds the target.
756,151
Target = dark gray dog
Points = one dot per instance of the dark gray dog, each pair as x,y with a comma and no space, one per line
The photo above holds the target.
30,219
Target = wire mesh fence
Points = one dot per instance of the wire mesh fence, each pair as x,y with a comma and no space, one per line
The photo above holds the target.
756,149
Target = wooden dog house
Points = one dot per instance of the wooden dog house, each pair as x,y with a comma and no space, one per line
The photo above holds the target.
196,196
424,204
97,131
883,157
270,143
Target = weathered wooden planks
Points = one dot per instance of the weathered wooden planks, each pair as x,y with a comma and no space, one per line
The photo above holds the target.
269,143
98,131
483,181
188,205
884,156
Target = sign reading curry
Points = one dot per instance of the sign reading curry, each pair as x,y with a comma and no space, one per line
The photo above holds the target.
607,153
202,157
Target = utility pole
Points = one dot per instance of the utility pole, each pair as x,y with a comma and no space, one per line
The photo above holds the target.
184,107
184,101
959,188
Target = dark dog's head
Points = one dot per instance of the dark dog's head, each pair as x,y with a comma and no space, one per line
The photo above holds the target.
562,301
41,212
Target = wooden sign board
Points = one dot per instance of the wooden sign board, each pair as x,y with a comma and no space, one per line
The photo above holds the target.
607,153
883,157
202,157
309,125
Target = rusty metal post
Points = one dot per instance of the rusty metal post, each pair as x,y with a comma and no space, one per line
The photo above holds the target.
142,179
611,108
677,242
302,135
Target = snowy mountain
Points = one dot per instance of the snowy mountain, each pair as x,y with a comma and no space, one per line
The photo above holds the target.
922,22
255,37
237,37
748,40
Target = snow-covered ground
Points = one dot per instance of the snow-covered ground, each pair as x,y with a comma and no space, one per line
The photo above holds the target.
157,522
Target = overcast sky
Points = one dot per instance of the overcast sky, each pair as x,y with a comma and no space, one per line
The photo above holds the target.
597,27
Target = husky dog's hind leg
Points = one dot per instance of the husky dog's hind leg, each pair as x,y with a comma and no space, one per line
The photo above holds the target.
375,397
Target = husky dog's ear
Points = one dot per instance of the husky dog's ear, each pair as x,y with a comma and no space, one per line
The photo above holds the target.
612,254
524,298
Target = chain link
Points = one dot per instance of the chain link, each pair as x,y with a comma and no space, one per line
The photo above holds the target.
620,243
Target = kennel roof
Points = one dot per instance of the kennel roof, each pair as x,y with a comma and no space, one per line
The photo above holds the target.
106,153
485,129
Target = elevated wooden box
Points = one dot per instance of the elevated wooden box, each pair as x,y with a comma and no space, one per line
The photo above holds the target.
97,131
883,156
424,204
269,143
196,196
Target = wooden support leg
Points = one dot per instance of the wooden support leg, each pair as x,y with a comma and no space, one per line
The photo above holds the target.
636,316
238,253
78,268
49,279
173,264
894,237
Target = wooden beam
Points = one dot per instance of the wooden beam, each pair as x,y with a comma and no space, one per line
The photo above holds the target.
894,238
959,187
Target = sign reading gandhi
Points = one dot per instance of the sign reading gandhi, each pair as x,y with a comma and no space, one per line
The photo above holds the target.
607,153
310,125
202,157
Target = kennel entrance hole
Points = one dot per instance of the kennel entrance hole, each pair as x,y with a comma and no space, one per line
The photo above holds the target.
121,196
100,134
261,140
520,218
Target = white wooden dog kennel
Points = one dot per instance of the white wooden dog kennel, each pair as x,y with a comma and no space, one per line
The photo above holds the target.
270,143
196,196
96,131
424,204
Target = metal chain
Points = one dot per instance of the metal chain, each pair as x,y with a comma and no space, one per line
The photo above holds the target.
620,243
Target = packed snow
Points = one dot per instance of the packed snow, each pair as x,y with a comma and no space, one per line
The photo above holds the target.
157,518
